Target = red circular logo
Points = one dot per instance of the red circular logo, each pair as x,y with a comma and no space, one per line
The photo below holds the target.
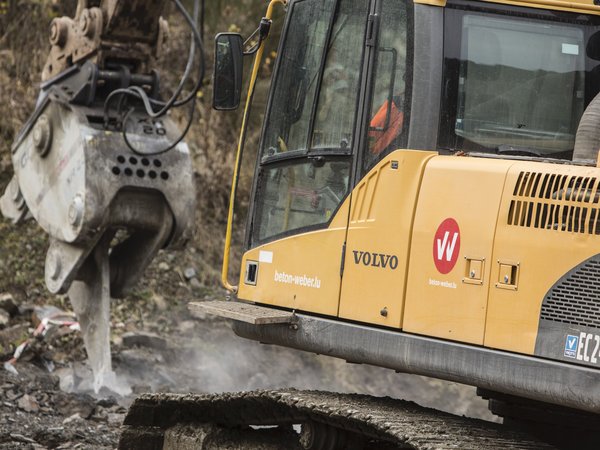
446,246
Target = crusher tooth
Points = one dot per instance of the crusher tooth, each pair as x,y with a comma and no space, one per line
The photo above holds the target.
292,419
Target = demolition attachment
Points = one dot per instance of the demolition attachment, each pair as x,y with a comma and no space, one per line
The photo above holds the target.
104,174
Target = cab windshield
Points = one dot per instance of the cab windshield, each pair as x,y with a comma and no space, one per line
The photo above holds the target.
321,57
513,85
305,156
316,122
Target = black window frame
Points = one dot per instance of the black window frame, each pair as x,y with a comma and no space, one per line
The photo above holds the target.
361,170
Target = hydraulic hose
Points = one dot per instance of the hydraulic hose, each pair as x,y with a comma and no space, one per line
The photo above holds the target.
587,140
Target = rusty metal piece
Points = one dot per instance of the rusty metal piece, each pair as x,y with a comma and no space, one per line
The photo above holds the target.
59,31
108,30
75,41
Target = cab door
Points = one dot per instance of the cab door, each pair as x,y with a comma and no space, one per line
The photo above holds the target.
301,196
383,201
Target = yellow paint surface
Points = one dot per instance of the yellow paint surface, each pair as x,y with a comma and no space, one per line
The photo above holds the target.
509,255
305,270
582,6
379,233
467,190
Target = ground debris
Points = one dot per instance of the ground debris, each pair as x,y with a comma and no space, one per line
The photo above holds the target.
28,403
34,409
190,273
7,303
50,313
12,336
4,319
69,404
144,339
21,438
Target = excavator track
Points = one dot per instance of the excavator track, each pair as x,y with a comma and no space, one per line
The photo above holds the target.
330,421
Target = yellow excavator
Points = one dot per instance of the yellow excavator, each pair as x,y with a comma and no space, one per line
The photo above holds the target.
426,199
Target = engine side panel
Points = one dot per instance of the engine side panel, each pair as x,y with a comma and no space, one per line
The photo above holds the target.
451,248
547,225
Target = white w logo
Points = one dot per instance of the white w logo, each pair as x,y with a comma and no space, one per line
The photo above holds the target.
445,246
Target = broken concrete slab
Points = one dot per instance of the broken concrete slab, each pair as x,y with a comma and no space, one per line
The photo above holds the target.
8,304
144,339
28,403
49,312
4,319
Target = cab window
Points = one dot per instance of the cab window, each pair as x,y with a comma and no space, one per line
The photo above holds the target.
388,111
516,81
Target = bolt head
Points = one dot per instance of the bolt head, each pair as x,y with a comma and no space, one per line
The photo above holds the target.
87,23
15,191
42,135
75,213
53,32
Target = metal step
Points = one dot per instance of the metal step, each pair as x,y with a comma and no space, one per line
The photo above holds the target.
243,312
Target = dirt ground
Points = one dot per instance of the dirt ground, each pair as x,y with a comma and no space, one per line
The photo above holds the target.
158,347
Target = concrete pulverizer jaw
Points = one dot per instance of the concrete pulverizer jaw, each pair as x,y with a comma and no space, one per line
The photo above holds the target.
106,209
90,298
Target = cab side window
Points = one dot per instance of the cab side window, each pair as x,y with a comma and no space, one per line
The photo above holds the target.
388,111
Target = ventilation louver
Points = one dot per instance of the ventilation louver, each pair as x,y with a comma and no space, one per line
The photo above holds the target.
575,299
556,202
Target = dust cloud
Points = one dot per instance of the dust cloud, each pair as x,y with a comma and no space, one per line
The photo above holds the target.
209,358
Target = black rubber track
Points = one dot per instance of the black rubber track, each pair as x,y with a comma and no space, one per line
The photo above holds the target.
403,423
